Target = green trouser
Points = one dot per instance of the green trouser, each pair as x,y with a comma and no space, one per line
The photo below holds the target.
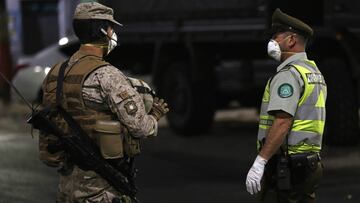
302,190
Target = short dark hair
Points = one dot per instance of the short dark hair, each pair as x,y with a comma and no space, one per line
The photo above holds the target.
88,30
303,39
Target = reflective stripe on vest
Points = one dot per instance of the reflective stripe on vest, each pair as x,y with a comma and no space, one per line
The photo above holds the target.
309,120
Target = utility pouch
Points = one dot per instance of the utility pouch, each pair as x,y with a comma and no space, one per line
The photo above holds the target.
313,160
110,139
301,165
283,174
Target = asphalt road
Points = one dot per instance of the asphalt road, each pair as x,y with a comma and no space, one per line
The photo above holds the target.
208,168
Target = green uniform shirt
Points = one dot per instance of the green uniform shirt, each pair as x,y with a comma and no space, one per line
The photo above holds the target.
286,87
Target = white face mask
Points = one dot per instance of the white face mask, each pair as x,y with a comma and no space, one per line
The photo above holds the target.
112,42
273,50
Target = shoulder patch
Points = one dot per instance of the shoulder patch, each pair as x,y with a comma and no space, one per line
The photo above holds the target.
285,90
131,107
123,95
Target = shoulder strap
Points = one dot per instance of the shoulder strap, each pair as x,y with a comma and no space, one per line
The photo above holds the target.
74,126
60,80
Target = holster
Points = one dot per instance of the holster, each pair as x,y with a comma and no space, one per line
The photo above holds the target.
277,171
283,173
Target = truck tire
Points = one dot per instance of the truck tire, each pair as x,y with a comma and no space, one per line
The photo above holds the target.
191,106
342,117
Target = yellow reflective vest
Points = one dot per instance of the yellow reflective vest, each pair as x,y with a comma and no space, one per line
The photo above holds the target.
307,130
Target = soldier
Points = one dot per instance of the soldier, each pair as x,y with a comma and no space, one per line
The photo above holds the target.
292,119
103,101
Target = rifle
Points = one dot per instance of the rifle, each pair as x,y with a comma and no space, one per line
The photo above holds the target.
82,149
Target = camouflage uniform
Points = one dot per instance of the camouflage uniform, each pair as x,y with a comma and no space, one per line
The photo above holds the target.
106,87
102,100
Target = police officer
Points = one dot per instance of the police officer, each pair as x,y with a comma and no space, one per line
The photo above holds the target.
103,102
292,118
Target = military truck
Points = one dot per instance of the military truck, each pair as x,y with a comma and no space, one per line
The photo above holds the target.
205,54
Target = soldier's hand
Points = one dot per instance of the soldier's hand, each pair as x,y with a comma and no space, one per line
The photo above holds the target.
159,108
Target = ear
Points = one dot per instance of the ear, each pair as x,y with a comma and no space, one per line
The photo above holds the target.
292,41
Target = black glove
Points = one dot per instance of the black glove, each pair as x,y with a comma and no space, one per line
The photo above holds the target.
159,108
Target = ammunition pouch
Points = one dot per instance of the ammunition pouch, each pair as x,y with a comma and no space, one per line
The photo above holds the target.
110,139
114,140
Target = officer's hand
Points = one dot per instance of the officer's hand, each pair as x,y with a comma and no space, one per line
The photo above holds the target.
159,108
253,179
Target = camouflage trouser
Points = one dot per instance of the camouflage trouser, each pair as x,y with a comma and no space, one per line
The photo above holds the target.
87,187
301,192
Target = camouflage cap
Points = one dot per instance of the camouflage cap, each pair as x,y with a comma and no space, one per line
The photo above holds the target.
282,22
94,10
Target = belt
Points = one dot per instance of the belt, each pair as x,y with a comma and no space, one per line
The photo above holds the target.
309,156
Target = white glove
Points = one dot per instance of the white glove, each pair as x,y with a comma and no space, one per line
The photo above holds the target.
256,172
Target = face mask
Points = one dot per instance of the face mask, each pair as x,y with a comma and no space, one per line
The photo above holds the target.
112,42
274,50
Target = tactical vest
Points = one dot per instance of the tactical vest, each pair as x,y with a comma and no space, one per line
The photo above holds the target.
306,132
100,124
